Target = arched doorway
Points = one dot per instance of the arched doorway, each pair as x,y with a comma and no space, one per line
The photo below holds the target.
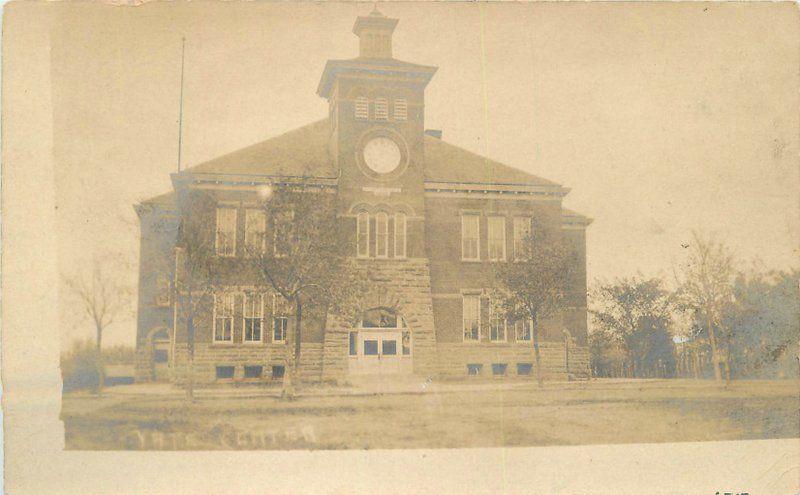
381,344
159,352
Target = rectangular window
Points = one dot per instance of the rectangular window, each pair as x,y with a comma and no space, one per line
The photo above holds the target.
282,227
497,238
253,317
497,327
400,109
353,343
253,371
278,372
381,109
362,108
224,372
400,235
362,235
523,330
381,235
223,317
524,369
470,235
472,317
522,234
280,319
499,369
389,347
370,347
226,231
474,369
255,229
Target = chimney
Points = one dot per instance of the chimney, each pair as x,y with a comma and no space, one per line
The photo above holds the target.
375,35
434,133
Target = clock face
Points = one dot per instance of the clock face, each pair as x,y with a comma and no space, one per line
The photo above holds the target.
382,155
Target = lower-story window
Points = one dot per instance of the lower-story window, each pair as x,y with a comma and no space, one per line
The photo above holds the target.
499,369
523,330
223,317
474,369
497,329
278,371
279,325
224,372
253,371
471,307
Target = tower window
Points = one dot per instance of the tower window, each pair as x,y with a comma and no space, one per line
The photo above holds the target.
381,235
381,109
362,108
400,109
362,235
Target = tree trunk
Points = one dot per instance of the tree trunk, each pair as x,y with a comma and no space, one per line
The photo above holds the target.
189,358
535,332
297,331
713,341
99,359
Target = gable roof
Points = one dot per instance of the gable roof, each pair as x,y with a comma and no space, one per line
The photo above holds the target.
303,152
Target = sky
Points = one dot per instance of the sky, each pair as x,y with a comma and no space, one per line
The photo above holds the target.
662,118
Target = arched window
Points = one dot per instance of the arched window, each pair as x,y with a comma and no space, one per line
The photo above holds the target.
362,235
381,235
362,108
400,235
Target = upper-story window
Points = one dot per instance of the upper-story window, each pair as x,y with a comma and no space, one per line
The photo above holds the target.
381,108
282,228
470,237
381,235
471,311
400,109
522,234
362,235
226,231
362,108
253,316
223,317
497,238
400,235
523,329
255,229
162,293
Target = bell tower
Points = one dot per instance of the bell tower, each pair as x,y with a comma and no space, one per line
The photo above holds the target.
377,119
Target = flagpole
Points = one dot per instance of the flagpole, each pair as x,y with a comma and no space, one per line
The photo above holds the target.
180,104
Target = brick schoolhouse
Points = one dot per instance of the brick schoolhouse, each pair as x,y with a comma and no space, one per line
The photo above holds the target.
431,220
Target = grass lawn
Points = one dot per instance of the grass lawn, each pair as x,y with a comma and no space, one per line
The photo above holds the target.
560,414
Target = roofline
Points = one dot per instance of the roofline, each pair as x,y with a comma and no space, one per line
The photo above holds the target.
554,190
247,181
334,67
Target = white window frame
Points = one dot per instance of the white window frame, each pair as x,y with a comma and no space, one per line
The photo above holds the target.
381,108
400,109
361,108
400,233
248,233
465,217
217,231
518,239
518,324
493,236
220,300
277,301
464,319
362,230
258,317
492,320
381,238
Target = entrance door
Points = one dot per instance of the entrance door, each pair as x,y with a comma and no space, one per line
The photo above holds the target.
379,352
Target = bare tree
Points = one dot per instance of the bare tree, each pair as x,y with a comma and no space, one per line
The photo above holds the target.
705,284
534,284
306,259
197,269
105,299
